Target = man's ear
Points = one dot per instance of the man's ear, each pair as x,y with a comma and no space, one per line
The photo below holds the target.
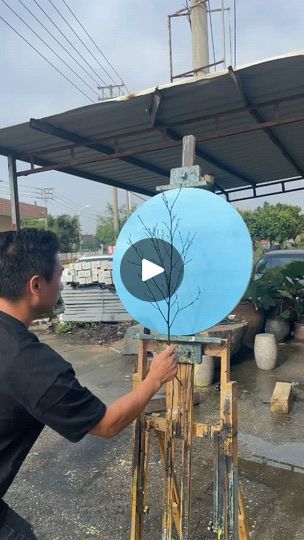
34,285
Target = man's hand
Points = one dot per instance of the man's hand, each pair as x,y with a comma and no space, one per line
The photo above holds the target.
123,411
164,366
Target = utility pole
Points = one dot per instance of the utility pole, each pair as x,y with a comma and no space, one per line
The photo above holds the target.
115,211
128,204
46,195
200,47
108,93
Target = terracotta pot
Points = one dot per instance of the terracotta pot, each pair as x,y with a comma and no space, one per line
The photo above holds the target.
265,351
298,331
278,327
255,319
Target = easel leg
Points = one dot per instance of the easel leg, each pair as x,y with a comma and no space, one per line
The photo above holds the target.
169,461
243,525
231,462
226,462
187,380
139,457
179,425
175,493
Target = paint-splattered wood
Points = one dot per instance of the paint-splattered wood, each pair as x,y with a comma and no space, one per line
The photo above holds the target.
140,458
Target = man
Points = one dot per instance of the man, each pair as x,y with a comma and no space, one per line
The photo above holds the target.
37,386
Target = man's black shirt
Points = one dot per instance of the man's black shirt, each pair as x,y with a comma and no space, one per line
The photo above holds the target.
37,388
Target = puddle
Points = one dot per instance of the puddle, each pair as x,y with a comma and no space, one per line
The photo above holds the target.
288,456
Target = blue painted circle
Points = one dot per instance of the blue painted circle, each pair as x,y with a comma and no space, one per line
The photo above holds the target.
217,265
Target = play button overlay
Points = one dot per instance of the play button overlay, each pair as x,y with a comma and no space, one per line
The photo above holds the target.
152,269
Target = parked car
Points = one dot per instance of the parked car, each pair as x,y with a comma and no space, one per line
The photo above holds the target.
277,259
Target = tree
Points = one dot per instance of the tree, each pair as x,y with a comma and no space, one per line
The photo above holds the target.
64,226
105,232
276,223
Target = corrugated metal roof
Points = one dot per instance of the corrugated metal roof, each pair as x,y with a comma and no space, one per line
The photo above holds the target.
226,111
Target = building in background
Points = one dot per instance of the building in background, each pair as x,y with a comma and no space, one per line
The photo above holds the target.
27,211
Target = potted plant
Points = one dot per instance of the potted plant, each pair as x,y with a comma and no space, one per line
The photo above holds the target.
256,300
290,299
298,331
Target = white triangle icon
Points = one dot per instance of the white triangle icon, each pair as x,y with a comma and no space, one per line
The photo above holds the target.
149,270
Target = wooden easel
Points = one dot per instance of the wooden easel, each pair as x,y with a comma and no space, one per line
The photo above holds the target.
229,522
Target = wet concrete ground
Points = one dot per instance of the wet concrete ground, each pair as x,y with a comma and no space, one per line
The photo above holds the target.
82,491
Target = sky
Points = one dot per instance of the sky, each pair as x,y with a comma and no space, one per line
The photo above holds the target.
133,35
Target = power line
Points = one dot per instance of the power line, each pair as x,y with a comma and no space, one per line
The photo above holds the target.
139,197
71,208
46,44
94,42
57,41
69,201
79,38
46,59
67,39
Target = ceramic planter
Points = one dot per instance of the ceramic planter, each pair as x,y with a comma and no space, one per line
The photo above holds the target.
255,319
278,327
204,372
298,331
265,351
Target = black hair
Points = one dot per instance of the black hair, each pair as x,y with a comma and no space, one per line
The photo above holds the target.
24,254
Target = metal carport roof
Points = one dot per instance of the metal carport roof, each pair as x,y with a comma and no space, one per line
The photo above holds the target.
249,125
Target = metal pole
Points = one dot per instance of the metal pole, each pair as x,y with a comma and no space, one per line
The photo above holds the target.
200,47
170,49
115,211
128,203
13,184
224,32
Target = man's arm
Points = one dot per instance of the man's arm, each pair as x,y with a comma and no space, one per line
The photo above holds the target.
124,410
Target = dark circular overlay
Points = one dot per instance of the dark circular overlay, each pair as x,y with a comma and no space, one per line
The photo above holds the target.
158,252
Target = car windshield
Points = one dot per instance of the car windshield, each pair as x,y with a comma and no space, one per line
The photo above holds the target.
278,262
266,263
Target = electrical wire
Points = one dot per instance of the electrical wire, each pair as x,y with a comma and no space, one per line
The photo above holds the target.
46,44
186,6
79,38
139,196
94,42
71,208
59,43
46,59
31,193
67,39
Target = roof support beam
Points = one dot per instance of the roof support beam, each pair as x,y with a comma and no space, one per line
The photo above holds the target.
48,128
76,172
175,136
253,111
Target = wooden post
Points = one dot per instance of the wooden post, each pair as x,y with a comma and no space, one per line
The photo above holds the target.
139,456
187,385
